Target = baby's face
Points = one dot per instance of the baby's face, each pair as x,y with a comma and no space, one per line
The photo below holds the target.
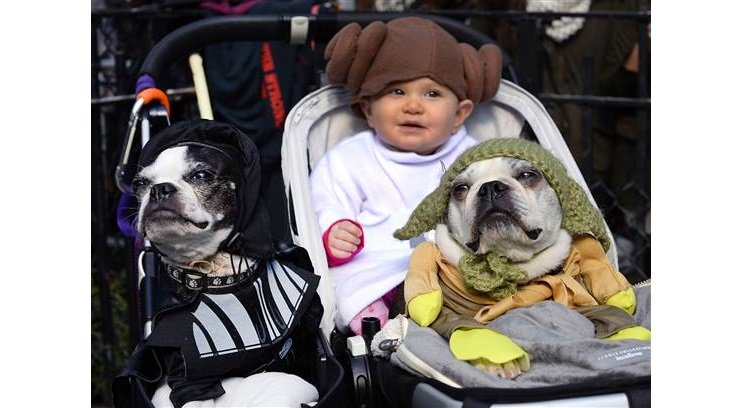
416,116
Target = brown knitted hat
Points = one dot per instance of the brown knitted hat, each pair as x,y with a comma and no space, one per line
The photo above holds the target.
365,61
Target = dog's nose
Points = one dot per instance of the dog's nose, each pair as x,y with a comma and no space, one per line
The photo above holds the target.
162,190
492,189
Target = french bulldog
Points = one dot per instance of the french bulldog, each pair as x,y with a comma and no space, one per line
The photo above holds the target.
512,229
232,307
505,205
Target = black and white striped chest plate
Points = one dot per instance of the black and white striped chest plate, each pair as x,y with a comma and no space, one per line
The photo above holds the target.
250,326
258,315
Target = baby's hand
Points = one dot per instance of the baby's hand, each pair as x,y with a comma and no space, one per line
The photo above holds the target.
343,239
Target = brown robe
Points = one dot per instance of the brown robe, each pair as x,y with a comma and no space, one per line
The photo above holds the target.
585,283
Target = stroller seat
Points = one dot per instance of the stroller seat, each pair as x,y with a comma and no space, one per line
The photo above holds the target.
322,119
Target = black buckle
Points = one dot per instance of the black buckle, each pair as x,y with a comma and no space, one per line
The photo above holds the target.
195,283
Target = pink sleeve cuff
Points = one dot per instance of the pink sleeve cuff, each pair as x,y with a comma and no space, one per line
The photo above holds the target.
334,260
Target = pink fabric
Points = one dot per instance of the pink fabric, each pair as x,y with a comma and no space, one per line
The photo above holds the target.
333,260
375,309
389,297
379,308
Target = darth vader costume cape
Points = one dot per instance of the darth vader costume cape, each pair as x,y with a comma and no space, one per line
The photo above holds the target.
206,329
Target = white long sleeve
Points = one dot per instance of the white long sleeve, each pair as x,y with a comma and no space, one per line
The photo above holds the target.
362,179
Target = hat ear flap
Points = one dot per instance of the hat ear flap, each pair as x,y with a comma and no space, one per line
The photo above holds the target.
491,60
351,51
426,216
340,52
580,215
368,45
472,72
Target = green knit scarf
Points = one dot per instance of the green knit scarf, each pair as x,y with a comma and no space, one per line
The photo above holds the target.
492,273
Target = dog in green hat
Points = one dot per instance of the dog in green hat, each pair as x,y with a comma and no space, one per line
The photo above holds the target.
512,229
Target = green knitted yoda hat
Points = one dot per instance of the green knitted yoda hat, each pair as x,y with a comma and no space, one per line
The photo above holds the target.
579,214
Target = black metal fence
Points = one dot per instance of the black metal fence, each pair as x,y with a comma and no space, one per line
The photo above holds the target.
122,36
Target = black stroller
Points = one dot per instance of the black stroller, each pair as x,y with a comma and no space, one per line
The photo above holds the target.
345,372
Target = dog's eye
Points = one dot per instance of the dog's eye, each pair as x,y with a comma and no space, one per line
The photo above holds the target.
459,191
139,182
202,175
527,176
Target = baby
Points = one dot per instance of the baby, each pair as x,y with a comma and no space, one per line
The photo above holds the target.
415,85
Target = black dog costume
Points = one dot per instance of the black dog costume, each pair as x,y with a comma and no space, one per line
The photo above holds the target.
206,329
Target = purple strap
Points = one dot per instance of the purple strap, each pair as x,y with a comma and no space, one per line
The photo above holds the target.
225,8
145,81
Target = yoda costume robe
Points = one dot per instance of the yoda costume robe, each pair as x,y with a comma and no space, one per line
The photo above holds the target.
584,282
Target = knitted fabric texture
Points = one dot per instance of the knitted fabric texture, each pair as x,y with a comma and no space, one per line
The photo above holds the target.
492,273
367,60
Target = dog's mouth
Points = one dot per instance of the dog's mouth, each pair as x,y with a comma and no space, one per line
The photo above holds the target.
533,234
504,217
473,245
168,215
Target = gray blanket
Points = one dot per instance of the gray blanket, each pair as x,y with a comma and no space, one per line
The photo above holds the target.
559,341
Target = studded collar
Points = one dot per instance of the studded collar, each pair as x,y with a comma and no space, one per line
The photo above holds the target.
196,280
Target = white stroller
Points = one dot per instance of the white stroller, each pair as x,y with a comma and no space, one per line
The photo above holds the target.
322,119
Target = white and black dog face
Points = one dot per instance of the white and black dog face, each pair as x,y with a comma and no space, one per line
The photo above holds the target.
187,201
504,205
